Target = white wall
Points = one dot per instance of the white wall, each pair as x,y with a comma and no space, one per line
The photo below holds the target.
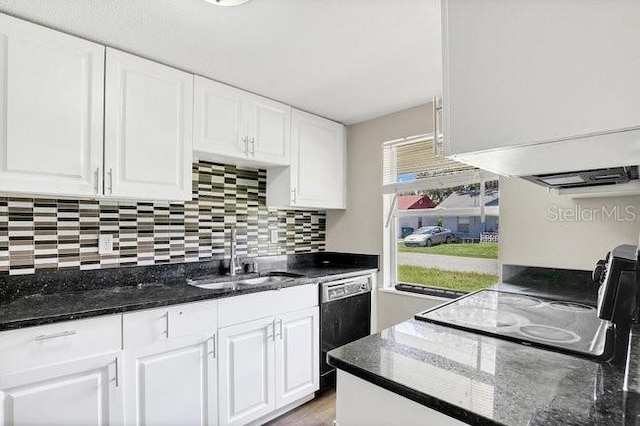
531,235
397,306
359,228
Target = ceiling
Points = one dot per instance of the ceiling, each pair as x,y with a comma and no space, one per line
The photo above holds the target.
347,60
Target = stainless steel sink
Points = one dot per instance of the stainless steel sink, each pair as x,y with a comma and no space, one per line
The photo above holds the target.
271,279
214,282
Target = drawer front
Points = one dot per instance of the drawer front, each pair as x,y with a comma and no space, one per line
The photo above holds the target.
157,325
49,344
239,309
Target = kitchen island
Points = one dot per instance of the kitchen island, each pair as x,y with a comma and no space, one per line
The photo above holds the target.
473,379
421,373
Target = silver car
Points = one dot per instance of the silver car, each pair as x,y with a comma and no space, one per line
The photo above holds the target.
430,235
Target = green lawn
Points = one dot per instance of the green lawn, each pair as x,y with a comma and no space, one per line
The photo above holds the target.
481,250
454,280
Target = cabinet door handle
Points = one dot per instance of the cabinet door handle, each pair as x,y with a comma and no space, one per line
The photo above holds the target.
270,335
294,195
245,149
117,375
214,346
436,127
280,326
253,147
97,176
110,173
55,335
166,331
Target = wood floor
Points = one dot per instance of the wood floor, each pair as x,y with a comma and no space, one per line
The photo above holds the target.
320,411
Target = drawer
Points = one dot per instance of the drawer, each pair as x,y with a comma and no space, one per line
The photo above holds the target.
49,344
238,309
157,325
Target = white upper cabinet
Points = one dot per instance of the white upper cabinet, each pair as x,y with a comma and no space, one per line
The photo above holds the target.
269,130
234,124
524,73
317,177
51,106
218,119
148,129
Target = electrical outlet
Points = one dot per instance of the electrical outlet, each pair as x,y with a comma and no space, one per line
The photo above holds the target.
105,244
273,236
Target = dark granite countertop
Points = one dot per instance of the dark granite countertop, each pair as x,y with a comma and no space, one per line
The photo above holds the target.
61,297
482,380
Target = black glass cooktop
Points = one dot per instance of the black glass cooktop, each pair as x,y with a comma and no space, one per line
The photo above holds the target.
557,325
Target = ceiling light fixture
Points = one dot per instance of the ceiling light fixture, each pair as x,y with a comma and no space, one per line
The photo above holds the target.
227,2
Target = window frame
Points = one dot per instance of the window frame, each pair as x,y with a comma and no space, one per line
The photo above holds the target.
390,193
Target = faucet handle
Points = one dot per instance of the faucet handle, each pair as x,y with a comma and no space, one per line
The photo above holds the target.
250,267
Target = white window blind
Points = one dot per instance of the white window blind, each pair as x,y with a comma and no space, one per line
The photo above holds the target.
410,164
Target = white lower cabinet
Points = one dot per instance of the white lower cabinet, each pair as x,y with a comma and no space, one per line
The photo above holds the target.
81,392
267,364
166,366
170,368
172,383
67,373
247,370
297,355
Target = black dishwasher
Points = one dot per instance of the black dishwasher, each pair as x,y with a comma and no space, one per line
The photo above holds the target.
345,316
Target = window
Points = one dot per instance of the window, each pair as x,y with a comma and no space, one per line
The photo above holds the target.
442,220
463,224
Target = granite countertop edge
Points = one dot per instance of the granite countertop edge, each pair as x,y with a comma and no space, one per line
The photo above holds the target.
198,295
414,395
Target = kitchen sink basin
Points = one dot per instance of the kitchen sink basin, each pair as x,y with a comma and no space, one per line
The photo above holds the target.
214,282
272,279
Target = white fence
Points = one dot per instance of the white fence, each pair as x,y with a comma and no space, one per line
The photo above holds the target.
489,237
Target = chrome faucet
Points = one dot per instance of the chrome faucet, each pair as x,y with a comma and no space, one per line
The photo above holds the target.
234,264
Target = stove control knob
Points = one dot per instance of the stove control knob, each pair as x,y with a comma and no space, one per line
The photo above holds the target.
598,272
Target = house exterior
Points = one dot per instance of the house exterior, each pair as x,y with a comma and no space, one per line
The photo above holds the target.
470,226
465,226
414,202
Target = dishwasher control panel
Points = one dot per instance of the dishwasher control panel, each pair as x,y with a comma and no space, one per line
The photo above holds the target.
335,290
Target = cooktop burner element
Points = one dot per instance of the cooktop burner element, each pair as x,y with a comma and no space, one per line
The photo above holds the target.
485,316
571,306
547,333
521,300
550,324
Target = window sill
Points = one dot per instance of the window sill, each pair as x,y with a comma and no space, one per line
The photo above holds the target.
428,291
392,290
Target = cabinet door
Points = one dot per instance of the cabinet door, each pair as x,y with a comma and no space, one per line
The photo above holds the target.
218,119
148,119
297,355
172,383
507,84
246,371
269,130
83,392
318,164
51,103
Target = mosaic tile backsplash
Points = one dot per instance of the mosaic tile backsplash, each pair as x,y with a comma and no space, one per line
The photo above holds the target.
45,234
